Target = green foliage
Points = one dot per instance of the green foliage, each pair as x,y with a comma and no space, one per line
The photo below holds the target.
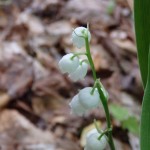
111,7
132,124
142,29
145,117
119,112
142,26
127,120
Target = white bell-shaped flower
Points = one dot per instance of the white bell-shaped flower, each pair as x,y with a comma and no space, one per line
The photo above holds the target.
87,99
79,73
78,36
67,64
92,142
76,107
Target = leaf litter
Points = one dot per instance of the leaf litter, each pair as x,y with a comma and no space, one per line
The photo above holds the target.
34,95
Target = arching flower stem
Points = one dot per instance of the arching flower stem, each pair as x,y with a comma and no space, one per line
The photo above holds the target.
78,54
84,60
101,93
94,87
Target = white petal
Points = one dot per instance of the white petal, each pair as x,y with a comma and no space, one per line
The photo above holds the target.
68,65
84,70
85,148
76,107
79,73
87,99
78,41
92,142
93,131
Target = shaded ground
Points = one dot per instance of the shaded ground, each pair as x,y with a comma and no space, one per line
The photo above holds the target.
34,95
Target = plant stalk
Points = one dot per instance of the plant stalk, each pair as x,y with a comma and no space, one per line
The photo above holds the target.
101,94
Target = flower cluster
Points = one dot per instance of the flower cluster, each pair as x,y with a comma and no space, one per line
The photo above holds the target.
70,63
87,98
76,68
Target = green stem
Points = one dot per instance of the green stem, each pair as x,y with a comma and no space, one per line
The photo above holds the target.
78,54
105,105
84,60
101,94
97,127
90,58
95,84
104,133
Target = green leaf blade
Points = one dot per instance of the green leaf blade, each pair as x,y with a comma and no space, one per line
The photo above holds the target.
132,124
119,112
145,117
142,29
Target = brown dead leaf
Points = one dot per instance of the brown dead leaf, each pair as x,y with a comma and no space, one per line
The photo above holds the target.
15,128
59,28
33,23
17,72
4,99
126,45
130,2
53,81
134,141
91,11
102,60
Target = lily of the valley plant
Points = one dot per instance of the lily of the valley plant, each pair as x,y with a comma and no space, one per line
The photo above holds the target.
142,30
89,97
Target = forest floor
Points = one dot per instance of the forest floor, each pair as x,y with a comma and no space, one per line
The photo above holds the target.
34,94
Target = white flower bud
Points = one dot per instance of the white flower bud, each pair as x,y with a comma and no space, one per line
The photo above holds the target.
92,142
76,107
77,40
79,73
87,99
68,65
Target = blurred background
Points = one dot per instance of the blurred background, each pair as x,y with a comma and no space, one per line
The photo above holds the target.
34,95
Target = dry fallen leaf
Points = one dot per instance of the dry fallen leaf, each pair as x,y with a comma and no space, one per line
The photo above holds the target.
15,128
126,45
91,11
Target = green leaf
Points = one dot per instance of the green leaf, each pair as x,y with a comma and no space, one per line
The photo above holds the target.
127,120
145,117
132,124
142,30
119,112
111,7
